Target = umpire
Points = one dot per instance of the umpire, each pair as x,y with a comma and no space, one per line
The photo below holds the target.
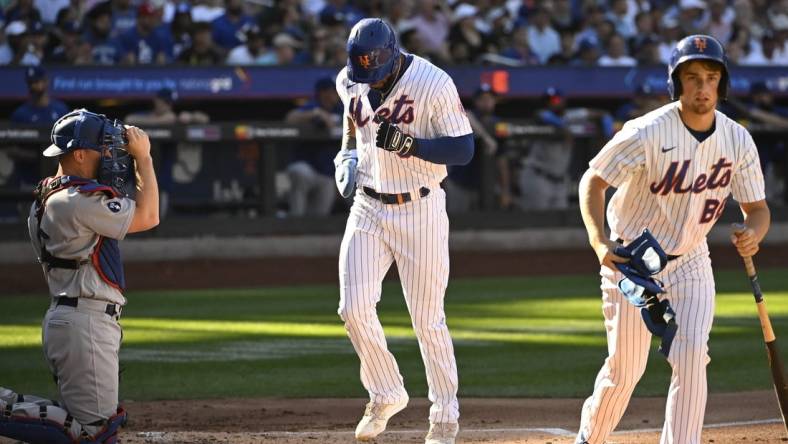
80,213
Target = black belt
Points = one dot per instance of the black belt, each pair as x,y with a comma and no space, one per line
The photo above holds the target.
73,302
390,199
670,256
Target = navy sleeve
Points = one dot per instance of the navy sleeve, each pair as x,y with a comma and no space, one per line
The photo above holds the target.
446,150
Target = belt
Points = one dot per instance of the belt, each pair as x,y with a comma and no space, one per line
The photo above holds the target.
390,199
111,309
671,257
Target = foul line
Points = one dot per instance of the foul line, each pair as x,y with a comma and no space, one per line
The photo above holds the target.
162,436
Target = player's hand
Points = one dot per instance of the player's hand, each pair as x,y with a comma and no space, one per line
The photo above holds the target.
604,250
139,143
744,240
391,138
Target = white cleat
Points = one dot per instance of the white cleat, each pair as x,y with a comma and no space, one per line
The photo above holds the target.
442,433
375,418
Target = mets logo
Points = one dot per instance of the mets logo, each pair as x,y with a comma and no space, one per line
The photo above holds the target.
700,43
364,61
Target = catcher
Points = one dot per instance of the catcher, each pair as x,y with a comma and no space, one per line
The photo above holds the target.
75,223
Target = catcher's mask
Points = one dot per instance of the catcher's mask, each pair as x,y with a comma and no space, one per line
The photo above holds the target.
82,129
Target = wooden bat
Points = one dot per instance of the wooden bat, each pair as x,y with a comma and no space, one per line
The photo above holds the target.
775,363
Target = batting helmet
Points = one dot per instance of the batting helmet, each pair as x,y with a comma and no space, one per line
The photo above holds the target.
372,51
697,47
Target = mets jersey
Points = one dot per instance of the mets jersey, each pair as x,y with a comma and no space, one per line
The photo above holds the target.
423,103
672,184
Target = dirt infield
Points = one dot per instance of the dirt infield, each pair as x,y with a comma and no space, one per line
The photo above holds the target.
744,417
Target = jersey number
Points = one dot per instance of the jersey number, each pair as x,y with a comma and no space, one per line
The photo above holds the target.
712,210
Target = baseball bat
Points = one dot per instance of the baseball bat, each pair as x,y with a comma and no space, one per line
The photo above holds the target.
775,362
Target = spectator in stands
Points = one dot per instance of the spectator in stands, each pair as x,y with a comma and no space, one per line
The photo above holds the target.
321,45
124,15
563,17
463,185
520,48
162,113
616,54
71,50
252,52
104,49
285,50
146,43
39,108
647,51
431,23
207,10
229,29
670,33
644,29
22,10
181,28
341,11
202,51
39,40
592,17
311,172
66,11
20,49
544,40
622,18
466,42
567,50
49,9
720,24
693,17
587,54
770,52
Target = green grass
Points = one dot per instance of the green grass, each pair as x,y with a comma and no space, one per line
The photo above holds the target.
514,337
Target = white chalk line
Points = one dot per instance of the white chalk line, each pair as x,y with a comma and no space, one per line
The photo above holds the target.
555,431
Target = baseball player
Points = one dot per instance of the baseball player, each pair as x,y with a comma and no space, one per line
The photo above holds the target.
673,170
79,215
403,123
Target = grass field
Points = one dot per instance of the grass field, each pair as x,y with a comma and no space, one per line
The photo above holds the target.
533,337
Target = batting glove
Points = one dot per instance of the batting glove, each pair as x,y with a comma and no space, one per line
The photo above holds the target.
391,138
345,163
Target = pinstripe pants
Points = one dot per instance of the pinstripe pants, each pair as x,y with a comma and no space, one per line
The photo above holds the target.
415,236
689,283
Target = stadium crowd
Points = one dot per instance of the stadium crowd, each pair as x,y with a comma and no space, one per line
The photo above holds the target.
313,32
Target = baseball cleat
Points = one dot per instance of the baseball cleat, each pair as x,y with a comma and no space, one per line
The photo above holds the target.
442,433
375,418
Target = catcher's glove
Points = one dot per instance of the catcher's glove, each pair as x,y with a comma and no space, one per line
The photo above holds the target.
391,138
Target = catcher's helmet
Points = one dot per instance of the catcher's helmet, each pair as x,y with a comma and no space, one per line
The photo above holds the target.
697,47
372,51
78,129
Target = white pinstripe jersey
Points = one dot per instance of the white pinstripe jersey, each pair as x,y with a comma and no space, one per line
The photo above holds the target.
423,103
672,184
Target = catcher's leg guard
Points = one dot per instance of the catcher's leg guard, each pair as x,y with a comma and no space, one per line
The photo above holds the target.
38,424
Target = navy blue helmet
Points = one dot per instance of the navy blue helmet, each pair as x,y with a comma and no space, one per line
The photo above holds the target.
697,47
372,51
